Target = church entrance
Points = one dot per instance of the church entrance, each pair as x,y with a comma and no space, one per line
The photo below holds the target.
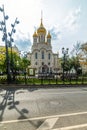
45,69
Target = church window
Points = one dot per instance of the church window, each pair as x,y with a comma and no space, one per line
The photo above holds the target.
48,63
42,54
35,40
41,38
49,56
42,63
49,40
36,63
36,56
50,70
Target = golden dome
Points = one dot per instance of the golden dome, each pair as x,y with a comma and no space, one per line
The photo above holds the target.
41,29
35,34
48,36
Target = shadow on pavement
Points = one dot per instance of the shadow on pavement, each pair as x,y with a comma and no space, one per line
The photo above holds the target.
32,89
8,102
8,99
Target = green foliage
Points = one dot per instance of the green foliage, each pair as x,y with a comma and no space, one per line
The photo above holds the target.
16,62
76,49
66,63
23,63
12,58
76,64
70,63
84,53
2,59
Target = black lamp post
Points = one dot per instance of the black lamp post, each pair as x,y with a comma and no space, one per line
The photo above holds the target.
8,42
64,52
4,38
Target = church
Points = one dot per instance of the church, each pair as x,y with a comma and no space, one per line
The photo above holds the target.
42,58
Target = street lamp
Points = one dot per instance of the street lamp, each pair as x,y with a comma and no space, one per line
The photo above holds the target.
64,52
8,42
4,38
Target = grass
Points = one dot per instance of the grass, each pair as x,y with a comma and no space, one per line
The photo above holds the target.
36,81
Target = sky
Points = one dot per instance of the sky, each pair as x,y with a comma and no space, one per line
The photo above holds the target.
65,19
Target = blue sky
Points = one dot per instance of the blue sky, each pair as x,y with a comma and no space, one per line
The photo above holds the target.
66,20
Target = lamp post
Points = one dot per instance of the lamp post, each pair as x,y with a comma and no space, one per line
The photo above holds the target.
64,52
4,38
8,42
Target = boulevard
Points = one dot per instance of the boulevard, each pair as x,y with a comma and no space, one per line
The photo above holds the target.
43,68
43,108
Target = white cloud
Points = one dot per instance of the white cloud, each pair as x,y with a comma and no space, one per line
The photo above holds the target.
71,21
55,32
28,13
59,16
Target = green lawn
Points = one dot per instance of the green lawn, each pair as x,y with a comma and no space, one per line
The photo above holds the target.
45,81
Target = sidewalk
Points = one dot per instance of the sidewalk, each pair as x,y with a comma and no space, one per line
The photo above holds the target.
69,121
18,86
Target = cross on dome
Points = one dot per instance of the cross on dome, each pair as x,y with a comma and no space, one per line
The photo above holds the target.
41,29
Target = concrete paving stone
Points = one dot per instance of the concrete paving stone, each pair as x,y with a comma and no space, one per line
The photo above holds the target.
22,125
71,121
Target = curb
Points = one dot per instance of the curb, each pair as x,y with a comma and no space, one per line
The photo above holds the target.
18,86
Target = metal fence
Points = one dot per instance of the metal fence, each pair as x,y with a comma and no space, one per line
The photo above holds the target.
44,79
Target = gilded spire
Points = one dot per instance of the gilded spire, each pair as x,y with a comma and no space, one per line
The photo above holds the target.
41,19
41,29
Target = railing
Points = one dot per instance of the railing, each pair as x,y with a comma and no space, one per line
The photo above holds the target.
45,79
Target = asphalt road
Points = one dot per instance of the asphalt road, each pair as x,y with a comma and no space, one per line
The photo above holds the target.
43,109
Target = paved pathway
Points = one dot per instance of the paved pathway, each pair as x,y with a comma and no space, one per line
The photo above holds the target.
47,109
56,122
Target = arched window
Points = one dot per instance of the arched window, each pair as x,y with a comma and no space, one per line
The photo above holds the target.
49,56
42,63
36,55
42,54
39,38
35,40
48,63
49,40
42,38
36,63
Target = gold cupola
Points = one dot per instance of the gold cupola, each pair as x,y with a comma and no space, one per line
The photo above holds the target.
35,34
48,35
41,29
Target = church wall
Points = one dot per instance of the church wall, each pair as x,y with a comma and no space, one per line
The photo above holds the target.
42,57
39,60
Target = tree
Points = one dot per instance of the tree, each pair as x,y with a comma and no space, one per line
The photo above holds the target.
76,57
76,64
72,62
84,53
83,57
2,60
7,39
76,49
16,58
24,63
